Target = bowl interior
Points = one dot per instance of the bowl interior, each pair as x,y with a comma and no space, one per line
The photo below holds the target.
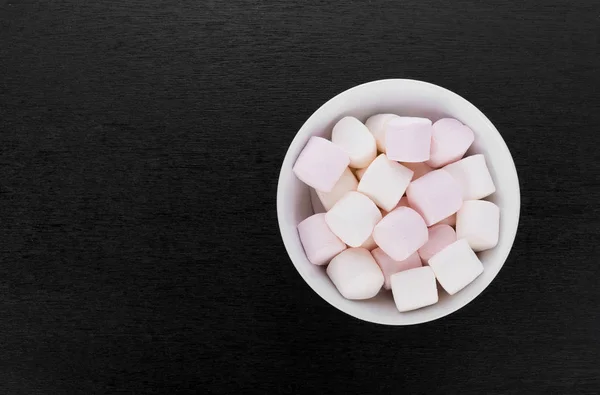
402,97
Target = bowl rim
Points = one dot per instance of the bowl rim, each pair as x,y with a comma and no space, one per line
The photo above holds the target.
511,236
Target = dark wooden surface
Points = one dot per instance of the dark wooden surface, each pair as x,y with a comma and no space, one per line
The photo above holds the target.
140,144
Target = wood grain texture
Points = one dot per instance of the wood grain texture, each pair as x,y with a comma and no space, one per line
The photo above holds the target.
140,144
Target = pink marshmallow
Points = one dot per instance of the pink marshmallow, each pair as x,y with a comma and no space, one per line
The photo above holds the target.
407,143
319,242
400,233
377,125
435,196
321,164
440,236
450,139
389,266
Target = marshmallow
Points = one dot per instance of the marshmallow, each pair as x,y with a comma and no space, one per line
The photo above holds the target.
407,143
401,233
320,244
435,196
353,218
354,137
478,222
321,164
450,139
473,176
389,266
451,220
376,125
346,183
385,182
440,237
355,274
414,288
456,266
318,208
359,173
419,169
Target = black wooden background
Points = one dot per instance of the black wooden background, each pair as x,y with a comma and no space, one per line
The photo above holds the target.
140,145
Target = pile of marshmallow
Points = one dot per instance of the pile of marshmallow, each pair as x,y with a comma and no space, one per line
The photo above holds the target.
403,207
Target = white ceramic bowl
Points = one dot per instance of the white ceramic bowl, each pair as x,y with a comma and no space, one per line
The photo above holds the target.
402,97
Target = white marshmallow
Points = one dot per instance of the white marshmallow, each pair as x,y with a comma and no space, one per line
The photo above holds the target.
346,183
355,274
353,218
353,137
414,288
456,266
385,181
473,176
318,208
478,222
